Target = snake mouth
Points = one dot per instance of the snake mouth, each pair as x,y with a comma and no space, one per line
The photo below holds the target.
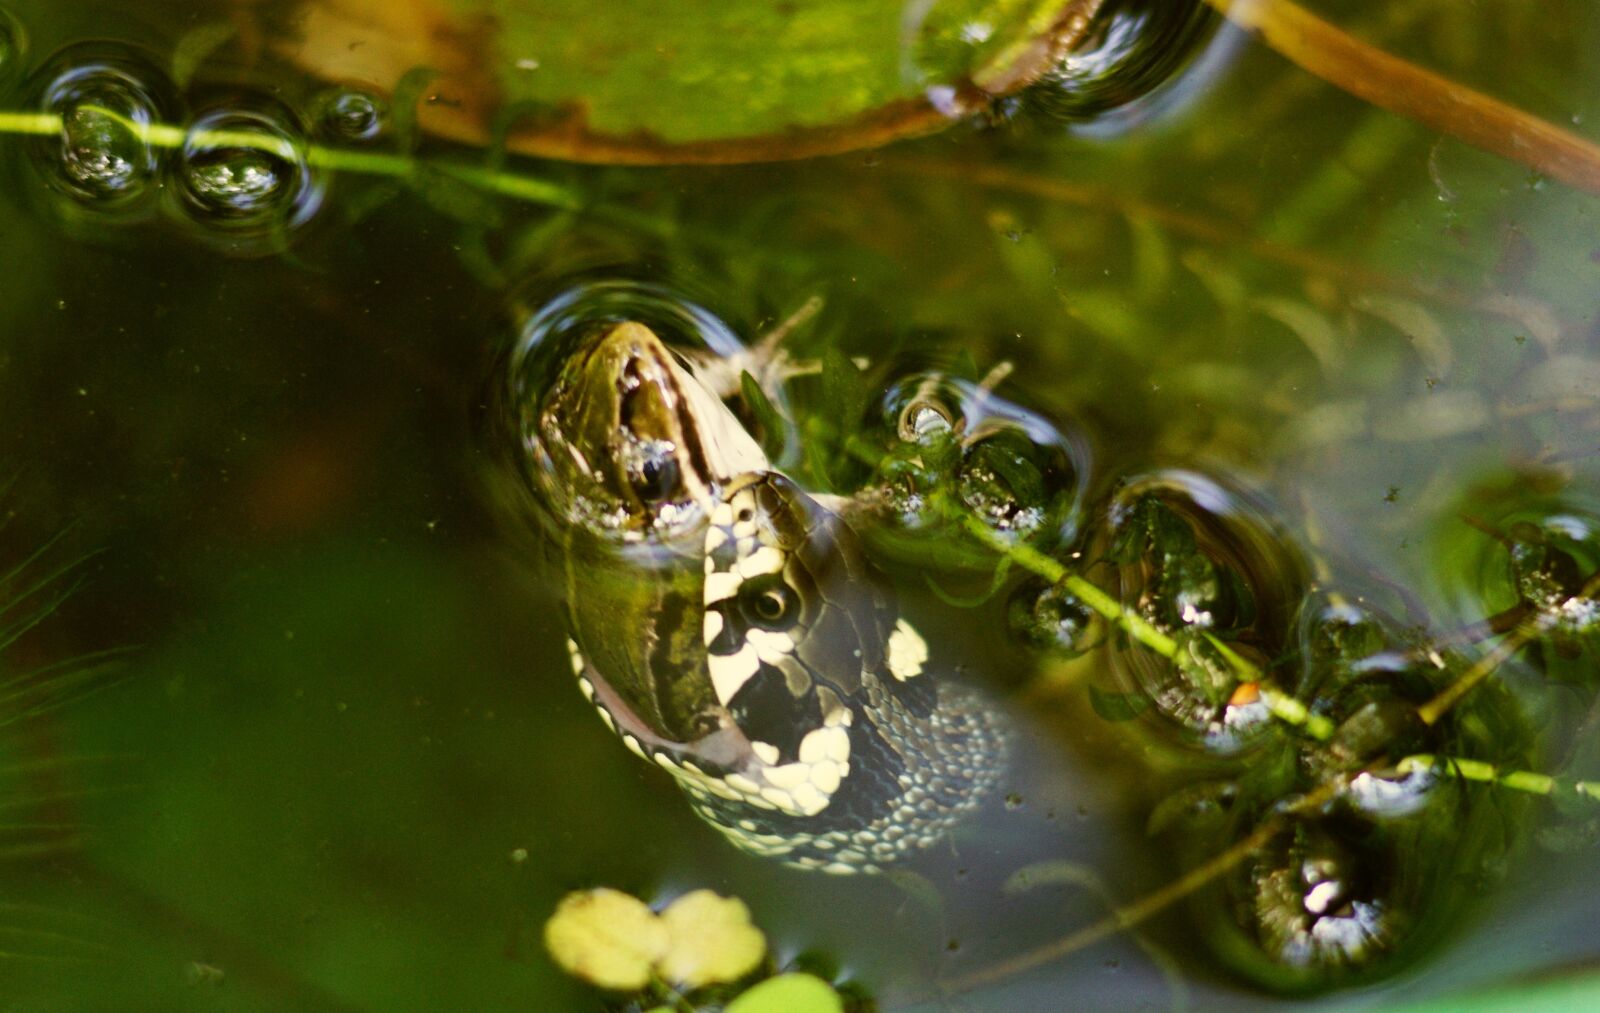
727,764
719,746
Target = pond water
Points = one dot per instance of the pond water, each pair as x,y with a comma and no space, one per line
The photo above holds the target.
256,412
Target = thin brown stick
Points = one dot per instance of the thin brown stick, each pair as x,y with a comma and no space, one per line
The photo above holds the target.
1525,632
1430,99
1124,918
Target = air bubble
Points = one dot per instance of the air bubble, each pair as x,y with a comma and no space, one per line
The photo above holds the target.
350,116
1339,633
1323,900
1212,570
113,106
954,449
244,176
1539,559
1133,47
1049,618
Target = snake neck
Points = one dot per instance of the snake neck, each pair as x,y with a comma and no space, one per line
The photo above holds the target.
921,760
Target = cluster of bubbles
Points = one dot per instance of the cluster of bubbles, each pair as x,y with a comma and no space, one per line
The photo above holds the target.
949,451
237,167
1346,890
1361,883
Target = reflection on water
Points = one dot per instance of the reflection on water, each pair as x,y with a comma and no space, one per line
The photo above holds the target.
1301,387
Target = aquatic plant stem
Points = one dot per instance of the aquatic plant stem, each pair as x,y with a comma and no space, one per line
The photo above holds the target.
1405,89
368,163
1283,706
1525,632
1488,773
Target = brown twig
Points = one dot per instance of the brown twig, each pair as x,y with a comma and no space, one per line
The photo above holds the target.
1430,99
1526,631
1127,917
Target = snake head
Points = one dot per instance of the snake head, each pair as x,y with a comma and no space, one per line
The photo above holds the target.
634,443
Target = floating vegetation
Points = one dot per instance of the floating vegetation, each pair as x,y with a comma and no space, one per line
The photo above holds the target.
699,952
39,782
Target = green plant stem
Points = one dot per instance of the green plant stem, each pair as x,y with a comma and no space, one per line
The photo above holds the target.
368,163
1284,706
1488,773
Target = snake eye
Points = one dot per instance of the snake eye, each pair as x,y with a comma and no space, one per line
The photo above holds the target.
656,479
770,605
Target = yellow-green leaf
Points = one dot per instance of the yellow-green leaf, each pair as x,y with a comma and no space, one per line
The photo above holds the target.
607,938
710,940
789,993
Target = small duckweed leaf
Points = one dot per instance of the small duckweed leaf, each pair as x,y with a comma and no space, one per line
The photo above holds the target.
789,993
1117,706
1057,872
196,47
766,415
607,938
709,940
919,889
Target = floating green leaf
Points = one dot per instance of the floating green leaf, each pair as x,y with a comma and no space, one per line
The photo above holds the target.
710,940
717,81
607,938
789,993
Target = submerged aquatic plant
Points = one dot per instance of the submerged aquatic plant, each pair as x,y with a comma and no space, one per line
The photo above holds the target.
38,784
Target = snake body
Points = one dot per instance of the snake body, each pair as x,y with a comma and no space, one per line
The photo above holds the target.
731,630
